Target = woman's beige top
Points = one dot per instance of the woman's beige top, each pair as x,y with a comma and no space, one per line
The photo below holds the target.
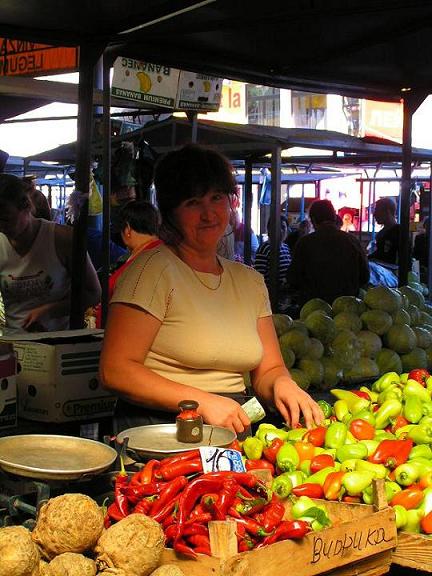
208,337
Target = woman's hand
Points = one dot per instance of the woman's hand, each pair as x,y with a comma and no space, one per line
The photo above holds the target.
32,320
225,412
291,401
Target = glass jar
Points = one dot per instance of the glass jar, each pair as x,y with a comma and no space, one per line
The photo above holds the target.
189,423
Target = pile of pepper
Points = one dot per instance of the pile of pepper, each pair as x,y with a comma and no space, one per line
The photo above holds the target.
176,493
380,432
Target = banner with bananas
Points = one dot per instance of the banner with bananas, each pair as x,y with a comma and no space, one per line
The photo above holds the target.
165,86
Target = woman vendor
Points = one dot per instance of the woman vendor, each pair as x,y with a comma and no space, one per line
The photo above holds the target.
35,264
185,323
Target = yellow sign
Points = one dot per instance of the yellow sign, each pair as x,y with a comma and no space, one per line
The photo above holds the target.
233,104
23,58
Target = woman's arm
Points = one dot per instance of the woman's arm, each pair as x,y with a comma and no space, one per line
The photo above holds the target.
272,381
129,334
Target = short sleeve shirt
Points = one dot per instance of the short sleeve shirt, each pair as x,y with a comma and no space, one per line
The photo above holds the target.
208,335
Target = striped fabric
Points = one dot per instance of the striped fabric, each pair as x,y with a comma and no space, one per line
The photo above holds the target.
262,261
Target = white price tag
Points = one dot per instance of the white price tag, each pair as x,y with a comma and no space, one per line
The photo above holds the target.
221,459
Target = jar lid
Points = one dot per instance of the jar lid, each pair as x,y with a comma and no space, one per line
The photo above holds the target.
188,404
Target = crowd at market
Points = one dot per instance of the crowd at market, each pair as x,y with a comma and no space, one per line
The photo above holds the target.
187,319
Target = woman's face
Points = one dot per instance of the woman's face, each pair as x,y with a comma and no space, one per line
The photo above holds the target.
13,220
203,220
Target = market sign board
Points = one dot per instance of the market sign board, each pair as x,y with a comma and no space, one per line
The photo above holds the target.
382,119
164,86
23,58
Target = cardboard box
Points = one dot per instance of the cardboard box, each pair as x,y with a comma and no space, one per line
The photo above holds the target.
57,377
8,389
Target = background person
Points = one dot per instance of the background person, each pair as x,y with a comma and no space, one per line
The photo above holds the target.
421,250
186,323
387,239
263,256
328,262
35,264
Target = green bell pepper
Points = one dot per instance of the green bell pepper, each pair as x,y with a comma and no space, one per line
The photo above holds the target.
340,408
413,409
392,391
349,451
384,435
355,482
378,470
282,486
400,516
406,474
429,384
349,465
421,433
368,495
295,435
267,433
305,467
414,388
391,488
403,430
320,476
297,477
354,402
389,409
372,395
326,408
301,505
426,505
371,445
335,435
253,448
404,378
427,408
366,415
424,465
421,451
413,521
385,381
287,458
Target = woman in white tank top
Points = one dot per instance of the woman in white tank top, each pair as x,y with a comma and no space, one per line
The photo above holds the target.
35,264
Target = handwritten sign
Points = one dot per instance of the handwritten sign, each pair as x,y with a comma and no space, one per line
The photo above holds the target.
221,459
358,540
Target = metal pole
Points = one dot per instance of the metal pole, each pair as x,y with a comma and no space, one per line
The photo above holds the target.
274,231
429,235
410,104
361,212
247,254
88,57
106,159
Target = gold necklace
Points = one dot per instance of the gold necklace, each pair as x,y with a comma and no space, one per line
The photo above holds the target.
203,283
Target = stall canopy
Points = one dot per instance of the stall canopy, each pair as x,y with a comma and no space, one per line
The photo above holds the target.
362,48
239,141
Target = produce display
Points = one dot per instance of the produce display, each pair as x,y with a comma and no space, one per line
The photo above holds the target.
183,499
384,431
357,339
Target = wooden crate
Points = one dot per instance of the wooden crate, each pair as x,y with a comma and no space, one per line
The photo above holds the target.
359,543
413,551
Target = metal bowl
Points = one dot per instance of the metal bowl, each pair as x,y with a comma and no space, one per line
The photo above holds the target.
159,440
54,457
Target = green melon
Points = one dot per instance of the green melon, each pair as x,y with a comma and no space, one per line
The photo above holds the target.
316,349
417,358
377,321
424,337
364,369
383,298
388,361
313,305
400,338
282,323
321,326
348,321
301,379
313,369
370,343
296,341
348,304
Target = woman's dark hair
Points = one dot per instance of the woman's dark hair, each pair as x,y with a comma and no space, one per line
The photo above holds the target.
189,172
14,191
141,216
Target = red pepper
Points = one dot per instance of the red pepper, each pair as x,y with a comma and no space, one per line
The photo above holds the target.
181,457
362,430
181,468
308,489
208,501
201,543
272,515
361,394
259,465
136,492
351,499
245,479
121,481
169,492
426,523
203,518
245,544
409,498
235,445
399,422
252,527
420,375
333,485
198,510
113,512
146,474
170,532
143,507
316,436
226,498
287,529
196,529
392,453
271,451
321,461
165,511
250,507
181,547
